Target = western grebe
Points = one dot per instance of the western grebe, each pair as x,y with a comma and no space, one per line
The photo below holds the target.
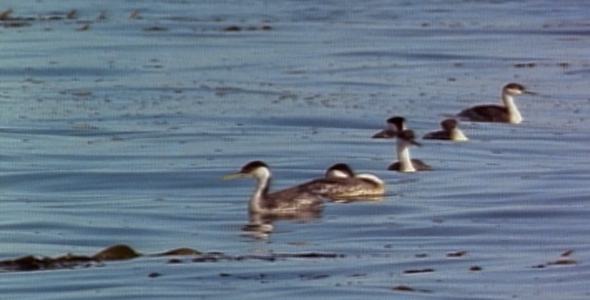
341,182
450,132
405,164
494,113
284,202
394,125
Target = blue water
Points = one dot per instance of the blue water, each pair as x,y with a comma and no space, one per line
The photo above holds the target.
120,133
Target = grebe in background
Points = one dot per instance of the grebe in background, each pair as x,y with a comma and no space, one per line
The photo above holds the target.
450,132
284,202
494,113
394,125
405,164
341,182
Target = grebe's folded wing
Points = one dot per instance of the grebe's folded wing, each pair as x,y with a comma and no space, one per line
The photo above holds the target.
485,113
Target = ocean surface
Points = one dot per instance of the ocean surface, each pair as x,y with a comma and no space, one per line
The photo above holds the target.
118,119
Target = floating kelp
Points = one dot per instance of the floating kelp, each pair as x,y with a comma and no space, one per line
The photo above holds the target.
116,252
155,28
407,288
236,28
180,251
271,257
457,254
5,14
9,19
124,252
415,271
564,259
475,268
32,263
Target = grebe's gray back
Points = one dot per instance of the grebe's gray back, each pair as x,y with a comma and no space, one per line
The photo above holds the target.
394,125
340,182
508,113
405,164
450,132
284,202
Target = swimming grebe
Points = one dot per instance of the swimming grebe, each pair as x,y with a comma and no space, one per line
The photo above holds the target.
341,182
494,113
283,202
450,132
405,164
394,125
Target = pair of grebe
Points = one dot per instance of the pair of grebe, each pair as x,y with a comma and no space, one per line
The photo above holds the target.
339,182
450,130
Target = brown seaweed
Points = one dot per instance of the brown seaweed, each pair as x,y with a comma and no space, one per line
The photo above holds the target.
124,252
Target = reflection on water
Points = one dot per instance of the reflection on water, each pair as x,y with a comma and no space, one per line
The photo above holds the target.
261,225
358,199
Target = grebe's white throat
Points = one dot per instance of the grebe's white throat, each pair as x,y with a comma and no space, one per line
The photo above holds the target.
405,163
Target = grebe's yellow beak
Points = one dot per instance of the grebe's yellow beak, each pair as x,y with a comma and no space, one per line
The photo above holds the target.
234,176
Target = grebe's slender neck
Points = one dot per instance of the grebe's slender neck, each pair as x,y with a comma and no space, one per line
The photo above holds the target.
457,135
263,180
403,156
514,116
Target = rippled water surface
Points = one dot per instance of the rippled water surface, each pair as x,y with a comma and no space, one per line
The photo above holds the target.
119,119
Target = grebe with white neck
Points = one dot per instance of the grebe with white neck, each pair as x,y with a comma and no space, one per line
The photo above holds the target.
340,182
284,202
508,113
405,164
450,132
394,125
